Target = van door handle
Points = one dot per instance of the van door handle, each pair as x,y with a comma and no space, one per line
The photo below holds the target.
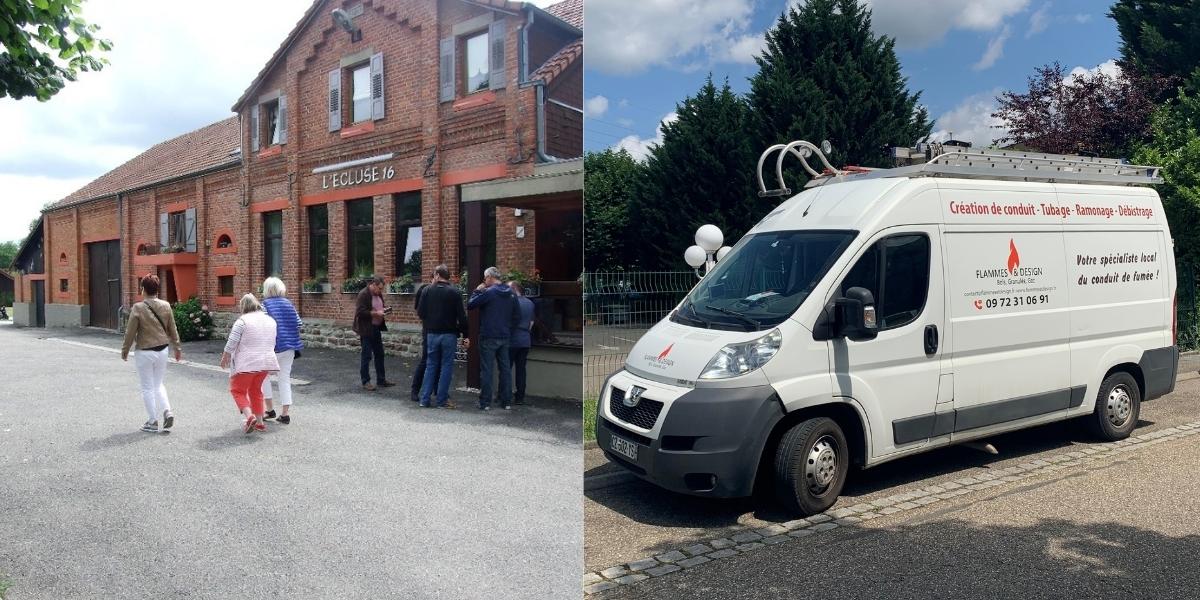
931,340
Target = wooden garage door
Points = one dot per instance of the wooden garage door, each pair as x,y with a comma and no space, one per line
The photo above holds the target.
104,263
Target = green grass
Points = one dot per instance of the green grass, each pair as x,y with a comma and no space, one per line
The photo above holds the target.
5,583
589,419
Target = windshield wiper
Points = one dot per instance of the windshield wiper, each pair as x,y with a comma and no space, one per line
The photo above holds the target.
696,316
734,313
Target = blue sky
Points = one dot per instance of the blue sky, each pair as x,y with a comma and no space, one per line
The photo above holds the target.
643,56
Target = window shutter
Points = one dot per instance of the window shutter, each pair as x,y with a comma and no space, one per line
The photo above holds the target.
189,222
335,99
164,233
254,128
496,37
377,87
282,120
446,70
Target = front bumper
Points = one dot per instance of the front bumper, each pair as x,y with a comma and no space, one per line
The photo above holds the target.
706,441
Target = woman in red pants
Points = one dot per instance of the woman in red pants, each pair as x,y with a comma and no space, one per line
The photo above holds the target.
250,357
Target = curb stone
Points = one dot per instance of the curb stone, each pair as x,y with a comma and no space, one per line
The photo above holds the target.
753,539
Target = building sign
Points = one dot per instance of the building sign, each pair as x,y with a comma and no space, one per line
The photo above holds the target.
357,176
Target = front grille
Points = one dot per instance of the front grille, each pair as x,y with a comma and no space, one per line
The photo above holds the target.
644,415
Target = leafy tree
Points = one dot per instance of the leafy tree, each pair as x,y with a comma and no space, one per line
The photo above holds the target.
610,179
825,76
1082,113
702,172
43,44
1175,146
1158,39
8,251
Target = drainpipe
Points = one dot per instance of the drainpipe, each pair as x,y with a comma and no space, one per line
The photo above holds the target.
523,69
121,267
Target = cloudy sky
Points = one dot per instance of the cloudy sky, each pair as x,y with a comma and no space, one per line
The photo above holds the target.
643,56
174,68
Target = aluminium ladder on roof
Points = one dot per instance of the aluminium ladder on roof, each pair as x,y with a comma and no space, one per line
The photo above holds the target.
959,162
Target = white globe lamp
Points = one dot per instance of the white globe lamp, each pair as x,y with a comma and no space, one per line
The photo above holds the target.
722,252
695,256
709,238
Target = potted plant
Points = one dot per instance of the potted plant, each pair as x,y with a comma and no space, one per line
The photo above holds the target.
402,285
310,286
531,284
356,282
322,281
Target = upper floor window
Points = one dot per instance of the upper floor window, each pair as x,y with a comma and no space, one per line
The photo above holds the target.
472,60
360,82
476,63
365,81
177,229
268,121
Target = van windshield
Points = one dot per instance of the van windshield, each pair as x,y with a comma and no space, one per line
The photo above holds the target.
763,280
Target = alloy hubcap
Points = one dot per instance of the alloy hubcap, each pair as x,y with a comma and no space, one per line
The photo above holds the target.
821,465
1120,406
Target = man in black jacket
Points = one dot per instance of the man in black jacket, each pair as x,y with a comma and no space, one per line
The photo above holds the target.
443,318
418,377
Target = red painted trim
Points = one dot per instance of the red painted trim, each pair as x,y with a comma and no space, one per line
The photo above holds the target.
360,129
100,238
36,277
270,151
178,258
176,207
230,250
269,205
225,301
224,271
474,100
366,191
472,175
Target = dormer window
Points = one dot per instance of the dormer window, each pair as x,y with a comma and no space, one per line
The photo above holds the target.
268,122
271,109
360,82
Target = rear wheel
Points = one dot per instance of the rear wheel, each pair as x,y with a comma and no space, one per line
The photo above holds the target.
1118,405
811,463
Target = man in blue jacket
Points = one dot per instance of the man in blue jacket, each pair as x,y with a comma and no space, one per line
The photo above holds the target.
499,313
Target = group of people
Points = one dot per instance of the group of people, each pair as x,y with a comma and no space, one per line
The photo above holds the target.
505,319
264,340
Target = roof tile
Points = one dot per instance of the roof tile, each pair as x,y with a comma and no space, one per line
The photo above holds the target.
205,148
570,11
558,63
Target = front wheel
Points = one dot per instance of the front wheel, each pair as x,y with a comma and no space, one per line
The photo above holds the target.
811,463
1118,405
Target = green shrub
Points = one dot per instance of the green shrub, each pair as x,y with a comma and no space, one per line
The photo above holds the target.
193,320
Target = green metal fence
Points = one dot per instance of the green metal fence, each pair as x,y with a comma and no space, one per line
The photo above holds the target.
1187,311
618,307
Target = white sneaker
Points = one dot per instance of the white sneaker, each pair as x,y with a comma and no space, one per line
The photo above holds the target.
168,419
150,427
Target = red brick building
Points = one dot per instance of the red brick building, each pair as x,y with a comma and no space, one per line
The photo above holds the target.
382,137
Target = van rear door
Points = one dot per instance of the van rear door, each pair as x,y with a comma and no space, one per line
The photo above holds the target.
895,377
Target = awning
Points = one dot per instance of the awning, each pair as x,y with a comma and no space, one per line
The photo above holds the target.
552,185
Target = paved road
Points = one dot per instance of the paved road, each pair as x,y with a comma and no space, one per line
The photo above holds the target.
363,496
1077,519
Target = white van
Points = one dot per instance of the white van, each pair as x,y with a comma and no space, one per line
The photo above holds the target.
880,314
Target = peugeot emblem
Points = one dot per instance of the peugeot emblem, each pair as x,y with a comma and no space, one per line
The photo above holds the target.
633,397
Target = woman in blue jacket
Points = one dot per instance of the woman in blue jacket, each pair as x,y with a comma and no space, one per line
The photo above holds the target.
287,346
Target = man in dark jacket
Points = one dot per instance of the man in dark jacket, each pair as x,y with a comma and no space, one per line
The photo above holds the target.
443,319
521,341
499,313
419,372
369,324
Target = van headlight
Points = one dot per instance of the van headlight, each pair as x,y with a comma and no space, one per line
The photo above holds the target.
738,359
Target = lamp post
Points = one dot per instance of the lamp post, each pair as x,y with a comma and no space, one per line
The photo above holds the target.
707,251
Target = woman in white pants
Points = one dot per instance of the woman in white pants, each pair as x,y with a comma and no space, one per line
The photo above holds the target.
151,327
287,346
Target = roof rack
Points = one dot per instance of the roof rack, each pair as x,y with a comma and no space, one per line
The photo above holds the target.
963,162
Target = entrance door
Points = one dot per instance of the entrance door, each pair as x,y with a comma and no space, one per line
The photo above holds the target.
39,303
104,289
896,376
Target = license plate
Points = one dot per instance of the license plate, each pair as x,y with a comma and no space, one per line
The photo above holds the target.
625,448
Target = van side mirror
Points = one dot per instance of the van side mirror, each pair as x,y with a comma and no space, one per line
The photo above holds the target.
855,315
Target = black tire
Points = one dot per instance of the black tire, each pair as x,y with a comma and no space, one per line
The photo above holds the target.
804,490
1118,405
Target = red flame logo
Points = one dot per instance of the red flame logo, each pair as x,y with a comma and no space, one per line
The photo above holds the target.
1014,259
666,352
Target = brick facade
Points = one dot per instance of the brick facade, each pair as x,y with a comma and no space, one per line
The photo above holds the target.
432,148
